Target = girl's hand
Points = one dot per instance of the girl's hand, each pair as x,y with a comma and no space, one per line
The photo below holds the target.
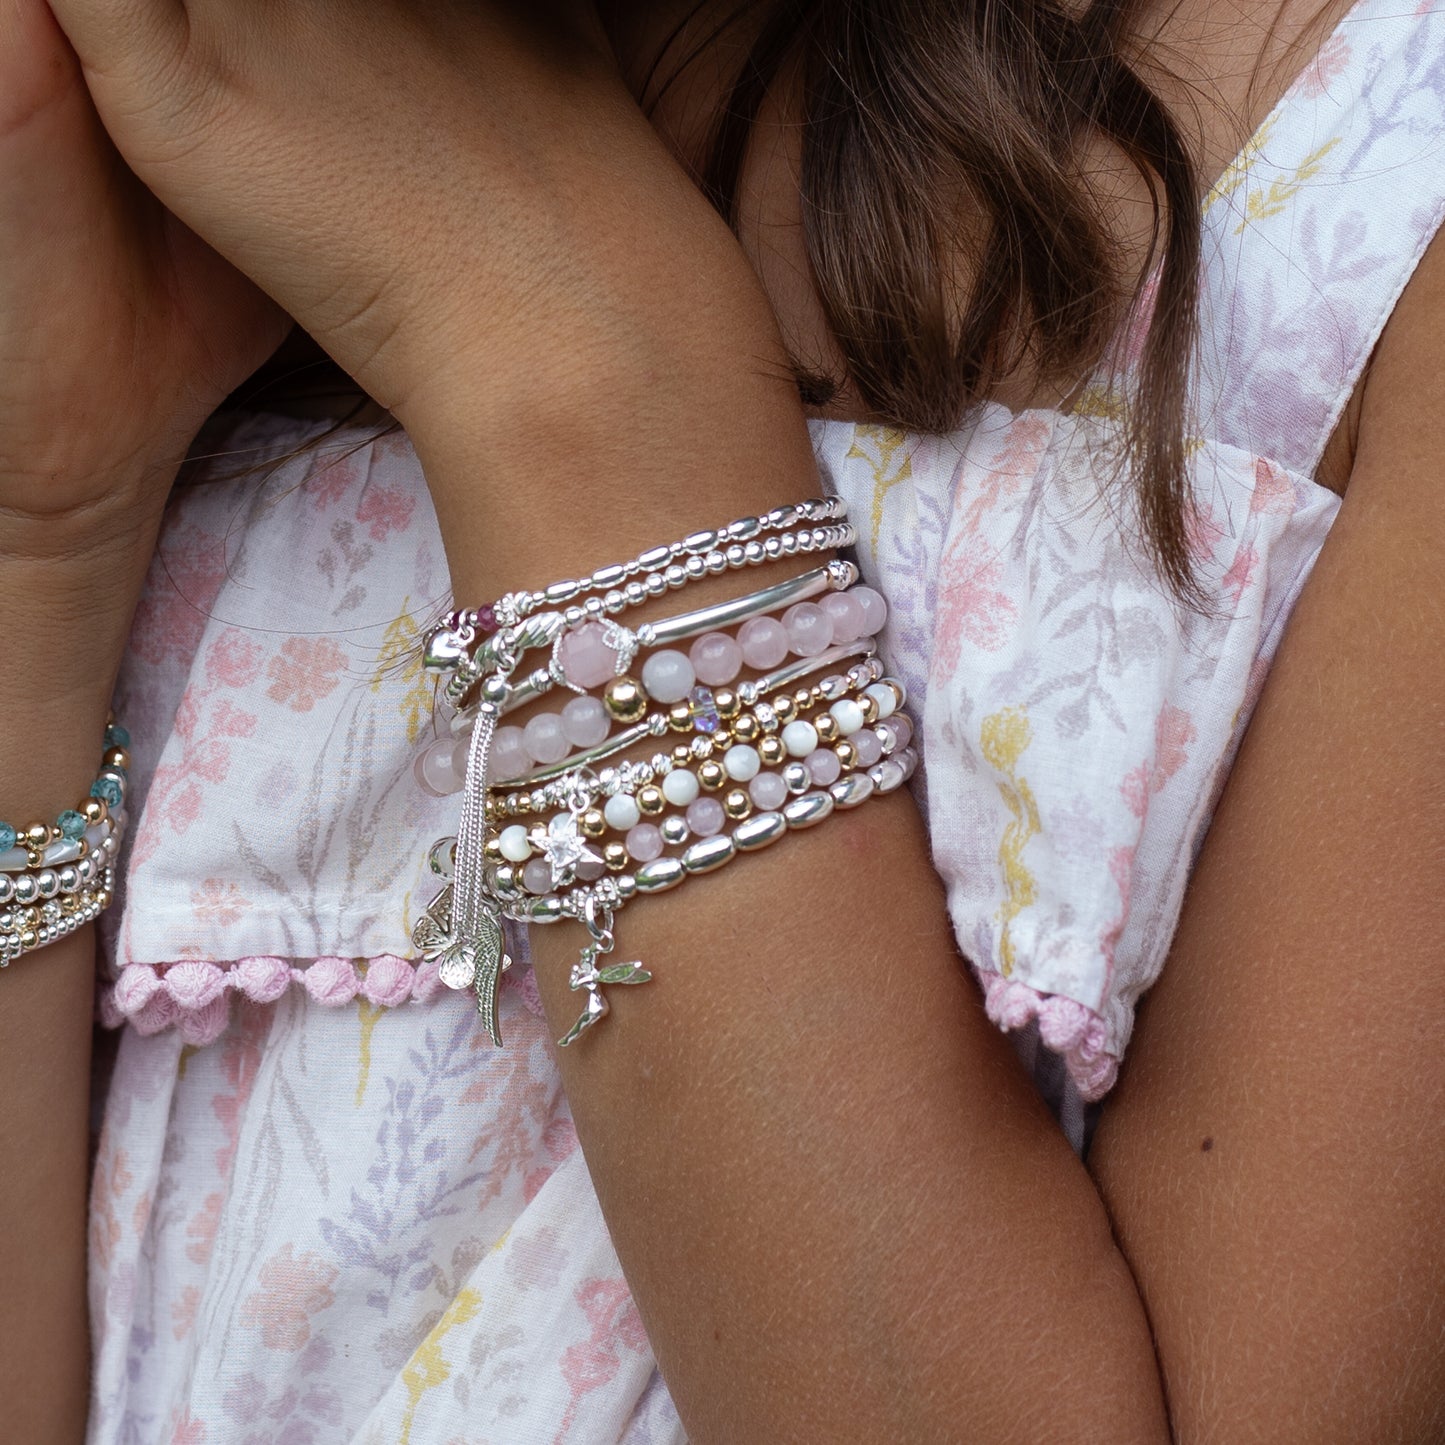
119,330
374,166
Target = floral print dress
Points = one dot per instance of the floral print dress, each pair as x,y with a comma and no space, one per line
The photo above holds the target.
325,1209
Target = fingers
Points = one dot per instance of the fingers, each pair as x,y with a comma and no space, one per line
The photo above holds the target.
113,35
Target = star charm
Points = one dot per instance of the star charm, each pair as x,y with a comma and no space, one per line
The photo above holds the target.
563,846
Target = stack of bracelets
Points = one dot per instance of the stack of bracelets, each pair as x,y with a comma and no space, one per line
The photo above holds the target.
777,715
57,877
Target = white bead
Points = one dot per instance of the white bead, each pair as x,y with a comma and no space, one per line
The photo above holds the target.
883,696
800,738
741,763
680,787
514,845
621,812
848,715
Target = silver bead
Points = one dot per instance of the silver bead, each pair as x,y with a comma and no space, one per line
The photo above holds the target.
48,883
26,890
790,543
675,830
745,527
609,576
615,602
594,608
774,548
656,584
676,575
696,542
573,616
709,853
636,593
545,910
758,831
797,777
562,591
696,568
808,811
850,791
653,558
660,875
887,775
494,690
735,555
753,553
7,888
626,885
715,562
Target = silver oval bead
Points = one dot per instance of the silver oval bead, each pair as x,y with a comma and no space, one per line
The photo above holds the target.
758,831
710,853
908,761
699,542
660,875
809,810
744,528
848,792
609,576
562,591
545,910
654,557
7,888
887,775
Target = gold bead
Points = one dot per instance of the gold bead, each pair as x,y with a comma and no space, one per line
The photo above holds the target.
725,700
746,728
116,758
827,726
614,855
712,775
681,755
29,938
870,709
93,810
679,717
721,740
804,699
846,754
772,751
105,897
624,699
786,709
650,801
37,835
492,850
737,804
592,823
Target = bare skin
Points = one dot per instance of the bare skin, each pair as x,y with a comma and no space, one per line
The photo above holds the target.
824,1263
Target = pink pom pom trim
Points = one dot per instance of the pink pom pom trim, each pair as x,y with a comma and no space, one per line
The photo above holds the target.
1077,1034
195,996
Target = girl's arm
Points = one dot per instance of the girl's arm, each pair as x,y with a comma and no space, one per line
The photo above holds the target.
1275,1160
845,1214
119,332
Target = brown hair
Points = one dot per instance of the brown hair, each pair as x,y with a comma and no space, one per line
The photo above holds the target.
934,128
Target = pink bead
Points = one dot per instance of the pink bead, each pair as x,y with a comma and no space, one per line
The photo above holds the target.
716,658
764,642
768,791
845,612
585,722
823,766
875,609
644,842
705,817
546,739
586,658
537,876
589,870
902,729
809,630
870,749
509,757
441,767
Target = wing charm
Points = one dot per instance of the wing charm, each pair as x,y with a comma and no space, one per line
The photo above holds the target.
473,961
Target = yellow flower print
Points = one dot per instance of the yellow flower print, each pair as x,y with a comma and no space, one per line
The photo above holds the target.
1004,737
886,444
427,1368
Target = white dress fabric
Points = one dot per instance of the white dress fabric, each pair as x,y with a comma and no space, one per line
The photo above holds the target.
325,1208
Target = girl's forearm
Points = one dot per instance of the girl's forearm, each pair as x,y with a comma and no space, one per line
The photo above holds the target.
843,1211
67,591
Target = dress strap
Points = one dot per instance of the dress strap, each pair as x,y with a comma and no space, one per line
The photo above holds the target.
1312,233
